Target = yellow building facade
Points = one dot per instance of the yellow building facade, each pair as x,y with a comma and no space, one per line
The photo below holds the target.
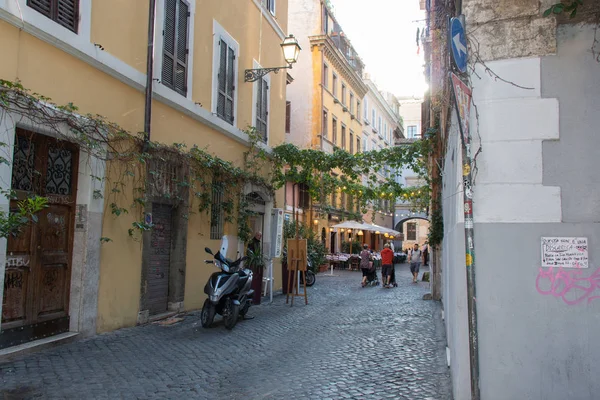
93,54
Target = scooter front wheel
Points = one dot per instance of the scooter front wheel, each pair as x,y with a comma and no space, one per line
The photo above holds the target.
208,314
230,313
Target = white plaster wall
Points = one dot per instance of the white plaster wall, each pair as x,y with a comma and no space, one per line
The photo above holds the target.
453,267
512,124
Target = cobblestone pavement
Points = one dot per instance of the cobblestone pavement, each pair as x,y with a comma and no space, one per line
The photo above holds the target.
348,343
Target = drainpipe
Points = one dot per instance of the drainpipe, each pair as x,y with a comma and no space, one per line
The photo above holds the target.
149,75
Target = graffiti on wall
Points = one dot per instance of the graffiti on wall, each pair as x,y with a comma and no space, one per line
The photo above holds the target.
569,285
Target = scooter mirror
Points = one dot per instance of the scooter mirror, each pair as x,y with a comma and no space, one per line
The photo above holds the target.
206,249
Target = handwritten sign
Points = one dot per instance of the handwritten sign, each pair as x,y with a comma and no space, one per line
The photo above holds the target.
566,252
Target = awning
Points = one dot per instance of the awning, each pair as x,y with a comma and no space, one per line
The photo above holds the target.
366,227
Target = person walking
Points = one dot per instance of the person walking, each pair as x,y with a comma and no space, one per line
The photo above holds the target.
425,250
365,264
415,262
254,253
387,263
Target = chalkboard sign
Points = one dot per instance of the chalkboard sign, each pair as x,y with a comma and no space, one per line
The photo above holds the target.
566,252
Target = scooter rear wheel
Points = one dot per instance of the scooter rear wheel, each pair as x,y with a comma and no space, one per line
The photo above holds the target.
208,314
230,313
310,278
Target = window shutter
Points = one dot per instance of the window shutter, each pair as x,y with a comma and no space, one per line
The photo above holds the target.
67,14
175,47
230,85
182,48
221,78
64,12
168,74
226,82
288,116
262,112
42,6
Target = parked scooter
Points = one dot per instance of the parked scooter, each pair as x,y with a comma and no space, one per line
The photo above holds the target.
229,290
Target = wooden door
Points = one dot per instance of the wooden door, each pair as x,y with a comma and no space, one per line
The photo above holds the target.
38,267
157,277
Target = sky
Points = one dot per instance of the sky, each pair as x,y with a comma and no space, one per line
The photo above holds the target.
384,35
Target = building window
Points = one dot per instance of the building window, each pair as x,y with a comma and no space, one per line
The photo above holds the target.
175,46
262,107
288,116
225,73
63,12
343,94
373,120
216,211
303,196
334,194
411,131
334,130
379,125
271,6
325,20
358,110
325,121
358,145
351,142
365,143
351,103
411,231
334,84
343,137
366,110
342,200
325,75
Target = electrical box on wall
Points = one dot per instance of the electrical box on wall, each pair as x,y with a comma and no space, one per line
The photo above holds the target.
277,232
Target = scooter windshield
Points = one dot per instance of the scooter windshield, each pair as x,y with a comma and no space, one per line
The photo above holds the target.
224,246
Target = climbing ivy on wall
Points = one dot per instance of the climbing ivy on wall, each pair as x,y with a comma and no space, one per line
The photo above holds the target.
135,170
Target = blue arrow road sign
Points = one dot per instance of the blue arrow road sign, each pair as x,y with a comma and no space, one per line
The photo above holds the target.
458,41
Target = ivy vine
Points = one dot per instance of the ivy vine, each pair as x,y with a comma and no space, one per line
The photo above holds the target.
131,177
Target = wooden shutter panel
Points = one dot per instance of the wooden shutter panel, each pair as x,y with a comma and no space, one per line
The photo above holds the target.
42,6
175,47
230,85
168,73
67,14
182,48
288,116
221,79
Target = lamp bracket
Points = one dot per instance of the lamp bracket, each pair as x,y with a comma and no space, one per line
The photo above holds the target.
251,75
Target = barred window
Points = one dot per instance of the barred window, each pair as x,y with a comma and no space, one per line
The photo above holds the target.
216,211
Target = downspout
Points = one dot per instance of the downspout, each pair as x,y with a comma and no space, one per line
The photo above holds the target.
149,76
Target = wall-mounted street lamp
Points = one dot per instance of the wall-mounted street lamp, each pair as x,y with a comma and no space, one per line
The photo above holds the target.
291,50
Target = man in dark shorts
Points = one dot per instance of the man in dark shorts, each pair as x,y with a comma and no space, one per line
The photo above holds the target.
415,262
387,263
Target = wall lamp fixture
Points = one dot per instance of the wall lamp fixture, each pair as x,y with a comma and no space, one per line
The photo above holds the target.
291,50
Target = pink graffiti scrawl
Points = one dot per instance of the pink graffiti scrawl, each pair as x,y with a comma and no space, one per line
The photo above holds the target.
562,282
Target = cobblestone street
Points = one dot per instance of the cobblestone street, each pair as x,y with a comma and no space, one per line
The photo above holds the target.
348,343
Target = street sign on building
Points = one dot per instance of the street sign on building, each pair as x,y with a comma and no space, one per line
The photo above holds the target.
458,43
462,96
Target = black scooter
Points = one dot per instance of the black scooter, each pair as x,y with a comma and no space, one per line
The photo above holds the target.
229,290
